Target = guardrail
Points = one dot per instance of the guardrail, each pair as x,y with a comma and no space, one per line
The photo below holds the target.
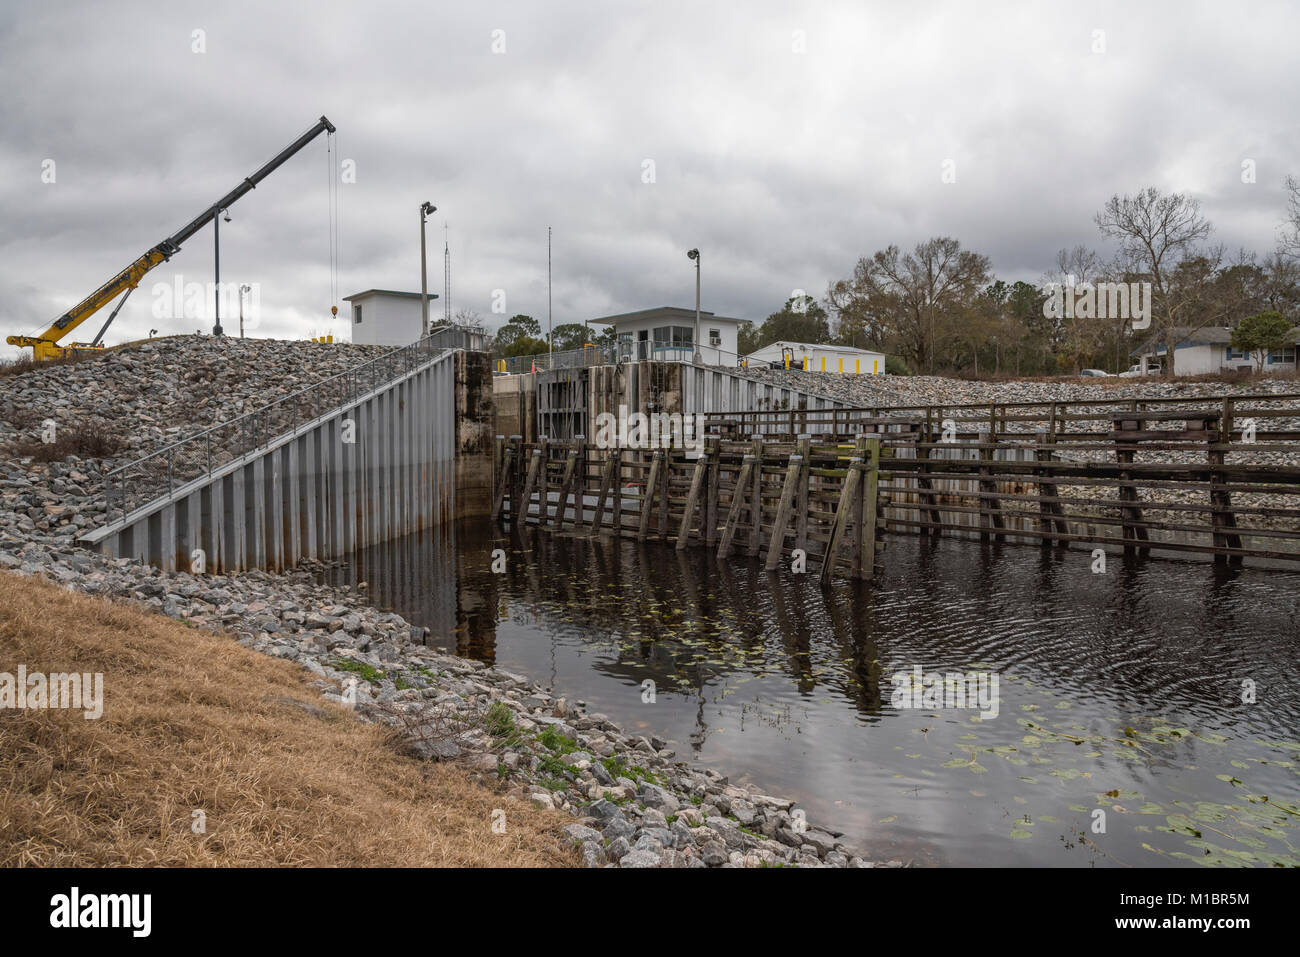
594,355
1074,421
164,470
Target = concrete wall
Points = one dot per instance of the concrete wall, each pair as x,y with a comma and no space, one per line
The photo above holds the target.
475,434
356,476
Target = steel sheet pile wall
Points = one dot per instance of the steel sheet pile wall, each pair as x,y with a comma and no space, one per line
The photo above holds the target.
359,475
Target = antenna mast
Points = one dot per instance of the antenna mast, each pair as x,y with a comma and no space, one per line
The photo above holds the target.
550,342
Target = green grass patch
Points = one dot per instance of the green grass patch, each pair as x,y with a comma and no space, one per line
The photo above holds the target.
633,772
359,668
499,721
552,740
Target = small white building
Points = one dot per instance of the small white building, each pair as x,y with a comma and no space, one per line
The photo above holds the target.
1209,350
382,317
819,358
668,333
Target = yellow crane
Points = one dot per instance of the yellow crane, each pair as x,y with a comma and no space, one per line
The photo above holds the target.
46,345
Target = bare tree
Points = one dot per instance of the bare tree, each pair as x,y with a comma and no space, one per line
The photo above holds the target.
910,298
1289,242
1076,266
1073,340
1156,232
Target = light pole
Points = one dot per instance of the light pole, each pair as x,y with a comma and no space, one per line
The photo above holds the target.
426,209
695,255
216,270
242,289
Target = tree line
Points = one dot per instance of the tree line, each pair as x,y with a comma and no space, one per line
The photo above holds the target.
938,309
941,309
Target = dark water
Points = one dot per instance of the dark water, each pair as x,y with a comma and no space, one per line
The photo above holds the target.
1119,691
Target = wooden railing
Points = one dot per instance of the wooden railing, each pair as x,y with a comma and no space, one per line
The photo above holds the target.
1212,476
801,500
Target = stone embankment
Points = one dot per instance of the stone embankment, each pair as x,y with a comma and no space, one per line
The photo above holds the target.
891,390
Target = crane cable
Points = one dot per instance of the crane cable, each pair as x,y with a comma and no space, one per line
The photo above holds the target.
332,201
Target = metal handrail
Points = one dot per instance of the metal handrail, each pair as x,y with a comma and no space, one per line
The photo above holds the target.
161,471
624,351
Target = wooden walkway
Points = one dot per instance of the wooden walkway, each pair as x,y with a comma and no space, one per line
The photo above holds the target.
815,505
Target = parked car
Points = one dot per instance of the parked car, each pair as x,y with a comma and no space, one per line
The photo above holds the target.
1094,373
1135,371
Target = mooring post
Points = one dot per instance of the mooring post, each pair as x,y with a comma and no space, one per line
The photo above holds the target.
870,490
666,484
544,485
498,457
607,482
737,499
525,498
924,483
566,483
857,514
518,468
756,505
1222,518
1130,511
504,480
1051,523
713,450
788,490
848,493
990,506
693,501
648,497
803,448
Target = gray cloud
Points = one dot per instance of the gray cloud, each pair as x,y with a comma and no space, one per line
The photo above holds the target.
782,167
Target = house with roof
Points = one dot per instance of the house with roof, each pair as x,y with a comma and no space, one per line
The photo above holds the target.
818,358
1209,350
383,317
668,333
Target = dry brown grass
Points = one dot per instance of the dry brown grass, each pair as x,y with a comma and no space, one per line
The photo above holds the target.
195,721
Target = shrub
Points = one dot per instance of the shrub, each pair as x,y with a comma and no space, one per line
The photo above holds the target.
85,441
896,366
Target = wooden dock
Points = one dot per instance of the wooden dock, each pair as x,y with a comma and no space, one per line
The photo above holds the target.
1215,477
815,505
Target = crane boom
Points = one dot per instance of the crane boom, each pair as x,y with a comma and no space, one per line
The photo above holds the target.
45,346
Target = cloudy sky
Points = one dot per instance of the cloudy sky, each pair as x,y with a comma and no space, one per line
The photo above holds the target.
785,140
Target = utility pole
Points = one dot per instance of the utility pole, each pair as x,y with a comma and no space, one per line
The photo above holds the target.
695,254
242,289
425,209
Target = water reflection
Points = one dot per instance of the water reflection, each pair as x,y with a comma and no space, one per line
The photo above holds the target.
1120,691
